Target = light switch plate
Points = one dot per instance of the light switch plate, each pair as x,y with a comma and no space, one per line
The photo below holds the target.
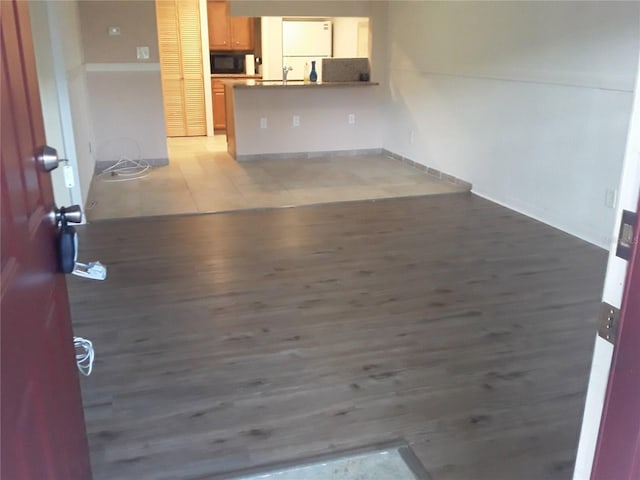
142,53
610,197
69,179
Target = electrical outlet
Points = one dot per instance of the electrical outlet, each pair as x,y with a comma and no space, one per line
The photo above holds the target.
263,122
296,120
412,137
142,53
610,197
352,118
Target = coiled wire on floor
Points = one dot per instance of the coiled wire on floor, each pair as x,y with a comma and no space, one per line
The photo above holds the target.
125,168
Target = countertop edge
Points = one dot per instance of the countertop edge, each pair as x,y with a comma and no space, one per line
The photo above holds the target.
235,76
241,85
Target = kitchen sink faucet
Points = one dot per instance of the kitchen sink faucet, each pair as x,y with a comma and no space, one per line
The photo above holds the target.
285,70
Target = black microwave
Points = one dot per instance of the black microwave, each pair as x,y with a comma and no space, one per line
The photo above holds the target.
227,63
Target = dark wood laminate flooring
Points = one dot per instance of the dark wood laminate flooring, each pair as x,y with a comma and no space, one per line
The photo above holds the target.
237,340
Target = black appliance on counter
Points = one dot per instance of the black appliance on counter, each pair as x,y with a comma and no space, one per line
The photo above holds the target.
227,63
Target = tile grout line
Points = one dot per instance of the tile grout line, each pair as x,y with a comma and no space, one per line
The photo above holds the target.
186,182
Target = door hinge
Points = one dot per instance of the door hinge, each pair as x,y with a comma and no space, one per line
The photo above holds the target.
608,323
626,234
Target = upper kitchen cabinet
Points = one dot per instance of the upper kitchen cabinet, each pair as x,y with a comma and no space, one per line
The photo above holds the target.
218,21
241,33
227,32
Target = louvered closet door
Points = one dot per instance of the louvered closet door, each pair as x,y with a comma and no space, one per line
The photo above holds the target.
181,63
171,66
191,43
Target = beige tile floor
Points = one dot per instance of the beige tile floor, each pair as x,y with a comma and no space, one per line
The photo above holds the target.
203,178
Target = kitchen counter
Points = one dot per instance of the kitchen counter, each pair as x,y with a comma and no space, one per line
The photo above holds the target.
267,118
294,84
239,76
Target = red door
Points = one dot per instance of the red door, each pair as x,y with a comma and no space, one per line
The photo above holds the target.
42,424
618,450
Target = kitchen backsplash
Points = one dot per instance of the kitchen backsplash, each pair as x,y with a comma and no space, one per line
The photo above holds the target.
344,69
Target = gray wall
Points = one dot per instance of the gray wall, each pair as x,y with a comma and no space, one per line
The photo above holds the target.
125,94
323,113
310,8
137,22
529,101
127,114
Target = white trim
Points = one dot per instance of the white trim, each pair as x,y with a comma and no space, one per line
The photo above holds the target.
64,103
512,78
539,219
206,68
122,67
598,379
612,294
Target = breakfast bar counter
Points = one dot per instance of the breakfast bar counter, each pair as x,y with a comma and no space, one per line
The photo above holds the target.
274,118
296,84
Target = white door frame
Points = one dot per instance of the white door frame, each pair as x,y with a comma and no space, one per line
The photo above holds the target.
612,294
206,67
64,103
49,46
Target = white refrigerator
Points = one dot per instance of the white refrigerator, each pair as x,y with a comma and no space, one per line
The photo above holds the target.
303,42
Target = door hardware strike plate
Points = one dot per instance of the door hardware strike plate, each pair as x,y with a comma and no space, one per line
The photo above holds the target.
626,235
608,323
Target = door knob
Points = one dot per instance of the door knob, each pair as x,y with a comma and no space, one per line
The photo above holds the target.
67,241
48,158
72,214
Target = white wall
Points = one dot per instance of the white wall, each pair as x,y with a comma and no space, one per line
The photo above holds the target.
125,94
66,24
127,113
49,95
529,101
65,104
345,36
272,48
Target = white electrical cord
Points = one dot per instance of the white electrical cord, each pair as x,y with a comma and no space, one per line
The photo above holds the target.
84,355
128,167
125,170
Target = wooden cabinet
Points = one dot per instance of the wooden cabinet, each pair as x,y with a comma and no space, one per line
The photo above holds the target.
218,21
241,33
227,32
219,109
